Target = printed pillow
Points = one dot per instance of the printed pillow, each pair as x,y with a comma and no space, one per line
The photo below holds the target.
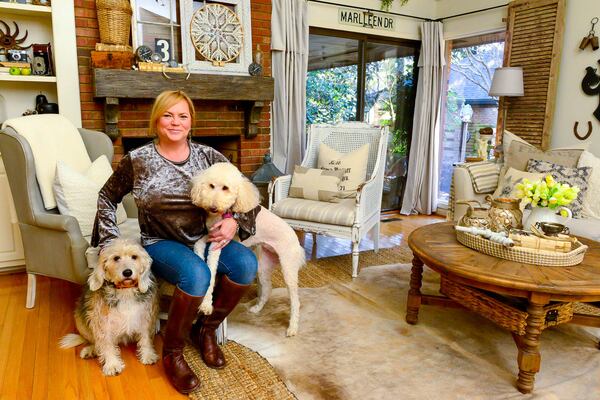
314,184
77,193
573,176
591,205
506,187
519,153
353,165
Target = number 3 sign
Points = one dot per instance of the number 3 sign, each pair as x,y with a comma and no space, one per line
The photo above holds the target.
163,47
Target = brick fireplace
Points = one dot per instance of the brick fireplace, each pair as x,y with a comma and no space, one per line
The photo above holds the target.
220,122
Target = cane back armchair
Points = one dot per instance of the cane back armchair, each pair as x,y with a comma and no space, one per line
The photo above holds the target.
349,218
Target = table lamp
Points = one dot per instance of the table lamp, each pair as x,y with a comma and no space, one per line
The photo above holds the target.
507,82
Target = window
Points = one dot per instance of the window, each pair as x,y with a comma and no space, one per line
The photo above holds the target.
164,26
353,77
157,26
332,81
468,107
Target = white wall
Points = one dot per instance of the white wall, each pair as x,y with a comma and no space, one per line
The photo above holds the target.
571,103
474,24
326,16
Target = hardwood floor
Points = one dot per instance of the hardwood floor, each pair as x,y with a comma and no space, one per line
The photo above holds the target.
33,367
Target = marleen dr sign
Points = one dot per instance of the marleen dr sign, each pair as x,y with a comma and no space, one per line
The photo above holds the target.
365,19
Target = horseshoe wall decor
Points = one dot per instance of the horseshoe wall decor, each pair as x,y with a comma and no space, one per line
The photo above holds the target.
576,132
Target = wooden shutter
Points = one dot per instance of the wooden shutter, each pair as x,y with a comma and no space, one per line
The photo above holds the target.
533,42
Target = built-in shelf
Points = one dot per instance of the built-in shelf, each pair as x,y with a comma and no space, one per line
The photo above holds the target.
26,9
27,78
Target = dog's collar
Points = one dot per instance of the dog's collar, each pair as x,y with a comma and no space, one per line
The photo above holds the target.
113,285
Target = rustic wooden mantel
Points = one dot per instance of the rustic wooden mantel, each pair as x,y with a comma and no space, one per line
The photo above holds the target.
114,84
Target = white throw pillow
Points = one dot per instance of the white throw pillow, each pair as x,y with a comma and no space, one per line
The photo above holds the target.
591,205
77,193
354,165
506,186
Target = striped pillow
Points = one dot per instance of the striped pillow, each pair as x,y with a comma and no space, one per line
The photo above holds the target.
314,184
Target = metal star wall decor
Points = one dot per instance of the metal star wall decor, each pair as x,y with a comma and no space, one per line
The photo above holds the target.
216,33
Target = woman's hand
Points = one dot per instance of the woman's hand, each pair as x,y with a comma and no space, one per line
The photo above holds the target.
222,233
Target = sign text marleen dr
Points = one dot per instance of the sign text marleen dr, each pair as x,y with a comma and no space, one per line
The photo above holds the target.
365,19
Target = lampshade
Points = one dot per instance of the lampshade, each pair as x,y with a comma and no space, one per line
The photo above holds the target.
507,81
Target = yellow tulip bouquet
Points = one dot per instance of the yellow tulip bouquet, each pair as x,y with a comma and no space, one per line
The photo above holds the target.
546,193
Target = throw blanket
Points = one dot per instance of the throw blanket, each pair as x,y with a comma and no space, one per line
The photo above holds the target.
484,175
51,138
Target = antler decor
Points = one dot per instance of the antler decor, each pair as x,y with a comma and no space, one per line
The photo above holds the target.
11,41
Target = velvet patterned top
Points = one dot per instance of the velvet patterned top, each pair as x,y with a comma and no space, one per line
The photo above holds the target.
161,189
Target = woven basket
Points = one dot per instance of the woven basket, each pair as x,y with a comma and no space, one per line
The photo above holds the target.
114,21
497,309
523,254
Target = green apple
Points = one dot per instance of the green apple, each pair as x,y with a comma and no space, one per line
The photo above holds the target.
14,71
25,71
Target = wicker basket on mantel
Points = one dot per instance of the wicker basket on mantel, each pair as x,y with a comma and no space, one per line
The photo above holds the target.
114,21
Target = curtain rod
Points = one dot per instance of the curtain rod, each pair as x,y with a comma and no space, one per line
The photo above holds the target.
471,12
369,9
407,15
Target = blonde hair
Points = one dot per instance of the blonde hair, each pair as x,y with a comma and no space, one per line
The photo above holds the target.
166,100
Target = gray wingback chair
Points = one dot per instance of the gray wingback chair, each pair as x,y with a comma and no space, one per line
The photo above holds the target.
53,243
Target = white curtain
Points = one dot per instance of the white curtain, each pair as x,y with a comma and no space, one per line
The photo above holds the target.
289,46
420,195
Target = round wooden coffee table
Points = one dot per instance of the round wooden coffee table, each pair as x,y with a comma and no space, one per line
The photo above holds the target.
539,287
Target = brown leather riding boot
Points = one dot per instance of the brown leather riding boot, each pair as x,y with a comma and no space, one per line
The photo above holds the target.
226,296
182,312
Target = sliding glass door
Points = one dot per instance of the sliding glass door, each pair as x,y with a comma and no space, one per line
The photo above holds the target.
355,77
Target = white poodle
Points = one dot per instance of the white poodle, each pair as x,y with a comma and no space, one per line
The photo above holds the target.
223,188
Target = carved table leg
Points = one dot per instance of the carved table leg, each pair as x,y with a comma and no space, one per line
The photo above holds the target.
414,294
529,346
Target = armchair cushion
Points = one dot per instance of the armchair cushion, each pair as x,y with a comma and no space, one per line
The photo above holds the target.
314,184
341,213
51,137
353,165
77,193
572,176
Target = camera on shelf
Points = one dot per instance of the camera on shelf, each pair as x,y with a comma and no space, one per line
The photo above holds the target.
17,55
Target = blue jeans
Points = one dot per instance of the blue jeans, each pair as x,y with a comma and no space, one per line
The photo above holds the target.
179,265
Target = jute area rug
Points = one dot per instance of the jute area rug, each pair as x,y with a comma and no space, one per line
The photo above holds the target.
247,376
250,376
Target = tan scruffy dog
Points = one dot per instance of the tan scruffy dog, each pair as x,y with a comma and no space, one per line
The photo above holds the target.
223,188
119,305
